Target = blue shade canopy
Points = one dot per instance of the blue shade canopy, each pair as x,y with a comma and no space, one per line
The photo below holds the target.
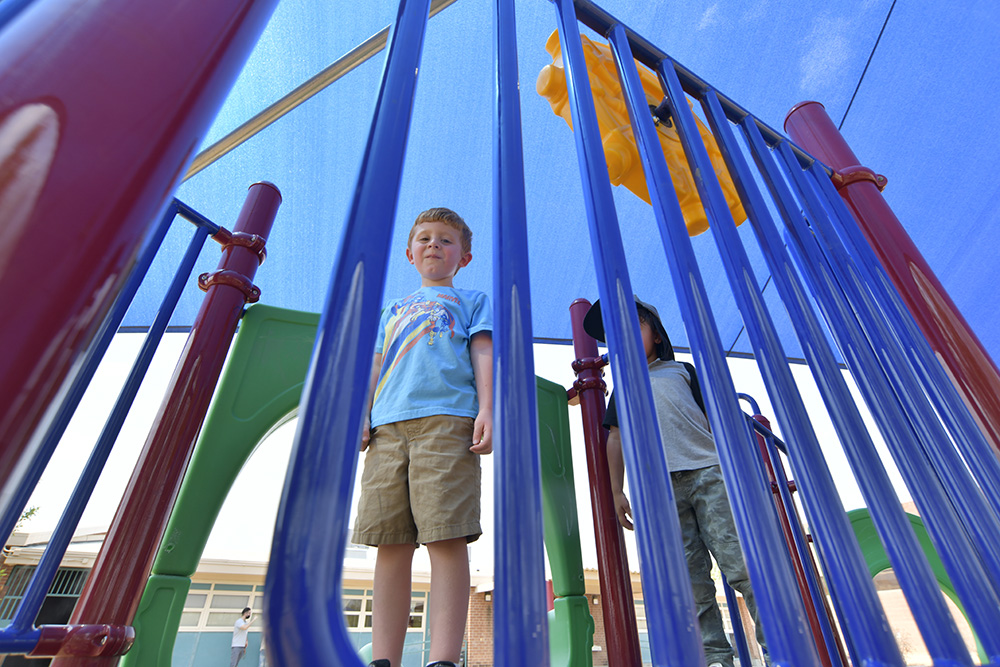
911,85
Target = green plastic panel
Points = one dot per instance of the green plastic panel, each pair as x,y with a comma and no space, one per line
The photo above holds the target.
571,627
562,529
259,390
571,633
878,561
162,602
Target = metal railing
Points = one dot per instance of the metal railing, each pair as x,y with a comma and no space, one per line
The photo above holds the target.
822,261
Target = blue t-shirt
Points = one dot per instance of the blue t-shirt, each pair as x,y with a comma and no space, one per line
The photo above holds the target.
426,364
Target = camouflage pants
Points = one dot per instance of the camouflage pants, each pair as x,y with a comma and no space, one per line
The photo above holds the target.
707,526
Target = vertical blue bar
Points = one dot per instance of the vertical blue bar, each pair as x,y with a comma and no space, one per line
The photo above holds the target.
978,453
739,631
14,504
912,569
42,578
670,615
770,569
520,624
819,488
950,540
9,11
940,459
305,623
834,534
802,549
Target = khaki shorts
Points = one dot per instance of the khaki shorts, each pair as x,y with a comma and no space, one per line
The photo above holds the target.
421,483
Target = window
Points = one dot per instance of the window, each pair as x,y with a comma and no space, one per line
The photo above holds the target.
358,610
215,607
65,589
640,616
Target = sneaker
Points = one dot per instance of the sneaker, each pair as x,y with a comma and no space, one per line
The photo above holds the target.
716,664
441,663
381,662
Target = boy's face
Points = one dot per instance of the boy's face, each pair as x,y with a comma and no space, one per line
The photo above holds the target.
649,341
436,252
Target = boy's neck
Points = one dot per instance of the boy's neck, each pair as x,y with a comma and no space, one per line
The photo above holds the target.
437,283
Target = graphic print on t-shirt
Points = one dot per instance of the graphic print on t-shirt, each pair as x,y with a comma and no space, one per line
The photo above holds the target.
410,321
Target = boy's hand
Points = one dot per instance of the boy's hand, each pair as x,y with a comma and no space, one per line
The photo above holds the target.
624,511
482,433
366,434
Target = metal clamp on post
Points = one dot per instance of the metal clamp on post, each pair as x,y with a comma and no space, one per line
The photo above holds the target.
253,242
590,383
251,293
843,177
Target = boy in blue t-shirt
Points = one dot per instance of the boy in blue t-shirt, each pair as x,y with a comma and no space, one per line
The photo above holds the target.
431,419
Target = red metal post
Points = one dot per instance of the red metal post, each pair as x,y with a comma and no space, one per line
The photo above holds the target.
102,105
116,582
617,603
960,351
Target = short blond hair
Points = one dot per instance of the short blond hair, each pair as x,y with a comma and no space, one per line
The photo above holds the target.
448,217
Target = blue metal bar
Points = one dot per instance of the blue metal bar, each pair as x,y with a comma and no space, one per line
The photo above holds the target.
773,443
802,551
648,54
670,613
957,553
23,642
42,578
195,217
15,503
938,456
739,631
978,453
775,586
520,626
305,624
10,9
905,553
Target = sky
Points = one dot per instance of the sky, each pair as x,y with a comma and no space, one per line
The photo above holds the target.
246,536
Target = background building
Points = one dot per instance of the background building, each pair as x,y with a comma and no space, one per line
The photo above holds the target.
220,589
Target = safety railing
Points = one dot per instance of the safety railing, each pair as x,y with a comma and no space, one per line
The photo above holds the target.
843,279
824,261
100,638
815,254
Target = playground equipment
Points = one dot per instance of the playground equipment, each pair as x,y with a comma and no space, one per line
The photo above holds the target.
620,152
258,392
818,256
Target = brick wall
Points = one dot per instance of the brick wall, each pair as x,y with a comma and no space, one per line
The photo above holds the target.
479,631
597,612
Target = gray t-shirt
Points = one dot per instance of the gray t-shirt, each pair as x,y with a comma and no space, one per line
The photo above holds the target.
684,428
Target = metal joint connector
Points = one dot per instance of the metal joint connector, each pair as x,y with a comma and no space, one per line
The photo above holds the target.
251,293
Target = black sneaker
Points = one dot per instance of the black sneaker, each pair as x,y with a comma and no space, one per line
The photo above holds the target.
381,662
442,663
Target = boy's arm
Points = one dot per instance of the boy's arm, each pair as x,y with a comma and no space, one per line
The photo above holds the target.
481,351
373,381
616,469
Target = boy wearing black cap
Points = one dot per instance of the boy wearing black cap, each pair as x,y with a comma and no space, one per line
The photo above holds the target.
706,520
